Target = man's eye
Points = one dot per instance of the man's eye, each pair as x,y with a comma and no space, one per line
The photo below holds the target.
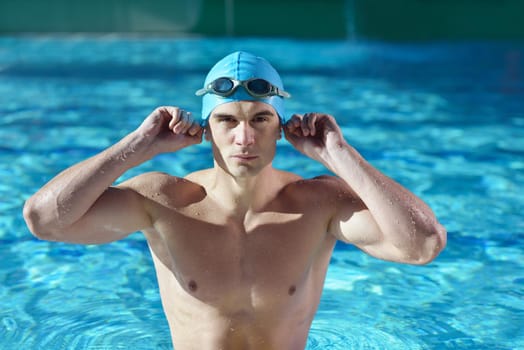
226,120
261,119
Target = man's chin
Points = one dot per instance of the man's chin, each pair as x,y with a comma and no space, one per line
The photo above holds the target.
242,171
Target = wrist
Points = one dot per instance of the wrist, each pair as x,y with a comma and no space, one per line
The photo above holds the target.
133,149
340,154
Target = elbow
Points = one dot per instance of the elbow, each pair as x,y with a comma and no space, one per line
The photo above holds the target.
33,218
434,244
440,239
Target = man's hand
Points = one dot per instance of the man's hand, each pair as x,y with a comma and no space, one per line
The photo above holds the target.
168,129
314,134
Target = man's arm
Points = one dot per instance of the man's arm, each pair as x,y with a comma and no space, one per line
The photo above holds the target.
80,206
380,216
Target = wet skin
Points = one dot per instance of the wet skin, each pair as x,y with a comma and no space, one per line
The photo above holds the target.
241,249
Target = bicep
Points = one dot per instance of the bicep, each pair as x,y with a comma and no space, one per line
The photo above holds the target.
118,212
354,224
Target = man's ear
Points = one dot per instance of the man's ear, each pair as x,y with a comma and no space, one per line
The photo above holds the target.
207,133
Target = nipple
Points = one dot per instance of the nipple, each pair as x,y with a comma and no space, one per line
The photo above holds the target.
192,285
292,290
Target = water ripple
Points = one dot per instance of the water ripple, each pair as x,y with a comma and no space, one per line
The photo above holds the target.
361,337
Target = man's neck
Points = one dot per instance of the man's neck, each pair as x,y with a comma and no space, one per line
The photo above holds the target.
239,194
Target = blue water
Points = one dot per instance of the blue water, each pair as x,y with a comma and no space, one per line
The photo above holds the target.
445,120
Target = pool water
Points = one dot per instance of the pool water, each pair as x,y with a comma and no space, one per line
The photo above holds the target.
444,119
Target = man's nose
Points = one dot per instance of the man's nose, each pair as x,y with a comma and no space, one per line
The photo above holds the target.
244,134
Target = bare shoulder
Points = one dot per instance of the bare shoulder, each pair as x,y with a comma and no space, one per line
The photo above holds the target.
155,185
324,185
149,182
327,192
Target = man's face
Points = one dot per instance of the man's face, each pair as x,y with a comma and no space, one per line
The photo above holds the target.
244,136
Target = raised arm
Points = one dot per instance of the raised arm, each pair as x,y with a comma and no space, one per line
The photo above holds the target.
80,205
379,216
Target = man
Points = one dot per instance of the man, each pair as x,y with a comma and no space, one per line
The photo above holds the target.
240,250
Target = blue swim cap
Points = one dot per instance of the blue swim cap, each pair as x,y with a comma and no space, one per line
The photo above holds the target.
242,65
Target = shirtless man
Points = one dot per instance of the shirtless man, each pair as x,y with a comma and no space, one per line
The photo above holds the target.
240,250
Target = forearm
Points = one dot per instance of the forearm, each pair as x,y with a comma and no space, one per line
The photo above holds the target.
403,218
68,196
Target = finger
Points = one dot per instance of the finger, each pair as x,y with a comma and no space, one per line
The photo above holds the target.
194,129
297,121
304,125
188,123
289,134
299,126
175,116
175,122
291,121
183,124
293,126
311,123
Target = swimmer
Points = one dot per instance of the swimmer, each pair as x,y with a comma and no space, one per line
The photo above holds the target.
241,249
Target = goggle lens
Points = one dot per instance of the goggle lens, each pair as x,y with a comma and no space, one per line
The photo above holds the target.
259,87
222,85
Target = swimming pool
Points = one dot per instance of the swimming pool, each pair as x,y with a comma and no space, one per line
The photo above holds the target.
445,120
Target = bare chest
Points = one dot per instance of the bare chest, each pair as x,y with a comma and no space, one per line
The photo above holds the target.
226,260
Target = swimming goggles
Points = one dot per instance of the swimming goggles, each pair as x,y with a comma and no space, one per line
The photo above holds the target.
256,87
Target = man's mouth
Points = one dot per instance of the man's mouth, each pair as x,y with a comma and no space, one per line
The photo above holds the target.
244,156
